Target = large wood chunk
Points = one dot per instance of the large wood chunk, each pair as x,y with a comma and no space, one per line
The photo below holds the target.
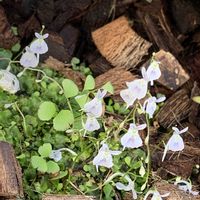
175,109
119,44
118,76
67,197
173,75
10,173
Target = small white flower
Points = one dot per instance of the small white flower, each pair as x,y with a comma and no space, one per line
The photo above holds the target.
185,186
132,138
128,97
175,142
104,157
91,124
129,187
150,105
39,46
9,82
29,59
156,195
153,71
95,107
56,155
138,88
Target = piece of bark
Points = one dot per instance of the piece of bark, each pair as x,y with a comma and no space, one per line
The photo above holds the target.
175,194
7,38
56,48
158,29
175,109
120,44
70,37
67,197
55,64
173,75
10,173
118,76
97,63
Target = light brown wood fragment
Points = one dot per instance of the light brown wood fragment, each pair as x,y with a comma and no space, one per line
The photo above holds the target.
173,75
10,173
118,76
175,109
67,197
120,44
59,66
164,187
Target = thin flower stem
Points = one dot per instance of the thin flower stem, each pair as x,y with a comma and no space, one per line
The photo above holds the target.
148,159
22,115
45,76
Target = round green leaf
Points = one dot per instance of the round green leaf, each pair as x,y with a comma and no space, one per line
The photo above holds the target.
108,87
39,163
46,110
52,167
81,99
89,83
196,99
70,88
63,120
45,150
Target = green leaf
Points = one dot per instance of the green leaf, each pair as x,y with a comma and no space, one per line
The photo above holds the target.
16,47
52,167
70,88
45,150
4,54
107,189
108,87
39,163
196,99
89,83
81,99
63,120
75,61
47,110
61,175
128,160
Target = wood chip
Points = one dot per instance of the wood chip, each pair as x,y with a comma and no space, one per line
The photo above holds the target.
119,44
67,197
7,38
173,75
175,109
118,76
55,64
10,173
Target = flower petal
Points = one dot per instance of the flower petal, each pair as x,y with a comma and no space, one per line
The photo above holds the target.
91,124
121,186
128,97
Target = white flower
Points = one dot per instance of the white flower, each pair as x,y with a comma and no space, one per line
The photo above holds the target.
132,138
39,46
185,186
150,105
91,124
56,155
175,142
9,82
94,107
138,88
129,187
128,97
29,59
156,195
153,72
104,157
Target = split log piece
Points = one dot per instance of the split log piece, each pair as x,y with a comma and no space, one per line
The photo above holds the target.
10,173
173,74
120,44
175,109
